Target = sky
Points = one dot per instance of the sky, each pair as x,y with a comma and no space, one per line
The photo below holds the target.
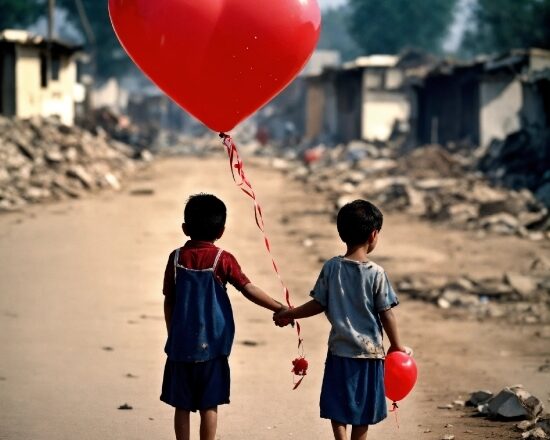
327,3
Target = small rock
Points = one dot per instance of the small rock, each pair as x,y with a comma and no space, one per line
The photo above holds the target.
448,406
478,397
515,402
448,437
536,433
524,425
523,285
125,406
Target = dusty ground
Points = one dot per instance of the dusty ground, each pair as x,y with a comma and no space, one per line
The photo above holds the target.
82,331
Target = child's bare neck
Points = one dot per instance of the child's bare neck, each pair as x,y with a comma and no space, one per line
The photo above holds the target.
357,253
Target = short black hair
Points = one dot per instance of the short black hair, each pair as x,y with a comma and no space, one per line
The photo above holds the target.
357,220
204,217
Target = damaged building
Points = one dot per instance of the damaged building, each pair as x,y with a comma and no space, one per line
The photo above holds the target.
363,99
474,103
38,77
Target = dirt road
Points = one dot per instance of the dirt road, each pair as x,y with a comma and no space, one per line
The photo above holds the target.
82,331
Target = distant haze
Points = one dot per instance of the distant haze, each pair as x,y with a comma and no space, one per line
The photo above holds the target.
327,3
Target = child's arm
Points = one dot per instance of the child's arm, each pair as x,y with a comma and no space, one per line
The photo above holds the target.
389,322
258,296
285,317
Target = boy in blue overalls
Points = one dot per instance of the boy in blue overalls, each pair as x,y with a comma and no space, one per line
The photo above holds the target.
199,318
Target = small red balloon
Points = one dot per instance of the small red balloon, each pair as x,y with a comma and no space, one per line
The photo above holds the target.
220,60
400,375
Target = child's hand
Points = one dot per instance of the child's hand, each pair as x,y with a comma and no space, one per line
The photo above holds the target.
283,317
402,348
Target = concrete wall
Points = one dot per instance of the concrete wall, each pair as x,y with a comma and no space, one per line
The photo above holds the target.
383,103
380,111
57,99
501,102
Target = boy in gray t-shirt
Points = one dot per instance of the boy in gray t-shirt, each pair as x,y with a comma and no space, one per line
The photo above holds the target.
357,298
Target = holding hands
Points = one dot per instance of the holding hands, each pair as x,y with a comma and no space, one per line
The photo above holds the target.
283,317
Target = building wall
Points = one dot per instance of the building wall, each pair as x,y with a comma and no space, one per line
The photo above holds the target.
57,99
315,105
381,109
501,102
7,80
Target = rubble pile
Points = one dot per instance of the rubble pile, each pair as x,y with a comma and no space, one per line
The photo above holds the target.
522,160
42,160
515,297
429,182
513,403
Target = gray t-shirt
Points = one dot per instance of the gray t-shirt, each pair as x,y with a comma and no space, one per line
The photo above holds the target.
353,293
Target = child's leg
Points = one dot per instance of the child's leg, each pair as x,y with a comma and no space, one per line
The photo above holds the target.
339,430
359,432
181,424
209,423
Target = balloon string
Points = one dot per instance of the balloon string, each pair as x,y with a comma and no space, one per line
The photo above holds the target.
394,410
240,179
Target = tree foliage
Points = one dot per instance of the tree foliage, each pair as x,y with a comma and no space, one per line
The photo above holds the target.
111,60
501,25
335,34
20,13
389,26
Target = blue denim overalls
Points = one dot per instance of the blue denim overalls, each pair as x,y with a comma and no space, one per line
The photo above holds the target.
202,326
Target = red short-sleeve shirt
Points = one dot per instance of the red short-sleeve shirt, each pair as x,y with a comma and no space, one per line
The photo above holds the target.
200,255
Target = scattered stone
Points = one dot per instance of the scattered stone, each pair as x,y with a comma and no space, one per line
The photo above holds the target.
537,433
479,397
142,192
523,285
131,376
125,406
447,406
43,160
448,437
514,402
525,425
107,348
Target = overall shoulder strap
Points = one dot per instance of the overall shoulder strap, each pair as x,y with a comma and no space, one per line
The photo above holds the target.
217,259
176,259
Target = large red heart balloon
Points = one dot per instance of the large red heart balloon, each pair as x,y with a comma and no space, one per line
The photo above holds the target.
400,374
221,60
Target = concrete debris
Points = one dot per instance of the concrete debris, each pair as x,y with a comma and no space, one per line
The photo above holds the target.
537,433
520,298
520,161
429,182
514,403
43,160
479,397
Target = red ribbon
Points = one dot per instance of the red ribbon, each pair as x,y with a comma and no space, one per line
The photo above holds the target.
240,179
394,410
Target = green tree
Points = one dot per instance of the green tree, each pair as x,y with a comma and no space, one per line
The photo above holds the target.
20,13
501,25
335,34
389,26
110,58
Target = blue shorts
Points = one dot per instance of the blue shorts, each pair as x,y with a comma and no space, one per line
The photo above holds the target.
353,391
193,386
